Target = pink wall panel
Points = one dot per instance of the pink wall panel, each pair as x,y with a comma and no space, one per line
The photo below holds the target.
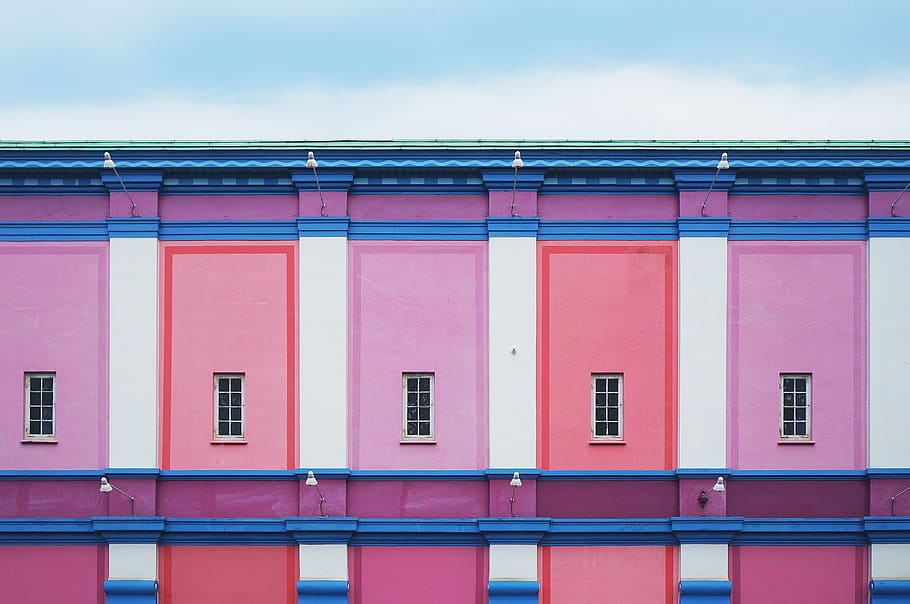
229,308
54,318
216,574
607,308
598,574
788,574
418,207
227,207
797,308
608,207
418,307
62,574
53,207
797,207
416,575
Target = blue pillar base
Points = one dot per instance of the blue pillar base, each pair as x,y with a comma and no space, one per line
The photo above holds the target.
322,592
705,592
889,592
513,592
131,592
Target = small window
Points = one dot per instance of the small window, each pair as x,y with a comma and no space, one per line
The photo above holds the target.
229,388
418,401
606,406
795,406
40,409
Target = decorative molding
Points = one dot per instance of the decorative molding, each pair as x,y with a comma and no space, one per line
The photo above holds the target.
330,179
701,179
513,227
135,180
133,227
53,231
607,475
418,230
889,227
505,178
798,230
610,230
703,227
323,226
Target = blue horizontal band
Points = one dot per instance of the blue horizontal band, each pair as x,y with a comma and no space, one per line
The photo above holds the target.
608,230
130,588
418,230
322,588
880,587
798,230
705,588
513,588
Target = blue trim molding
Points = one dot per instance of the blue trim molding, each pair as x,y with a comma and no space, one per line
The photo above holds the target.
130,592
607,475
135,180
705,592
322,592
330,179
798,230
513,227
513,592
700,180
609,230
889,592
890,227
504,179
53,231
323,226
228,230
703,227
418,230
132,227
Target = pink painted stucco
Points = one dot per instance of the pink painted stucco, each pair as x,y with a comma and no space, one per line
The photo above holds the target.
797,207
500,204
690,204
607,307
418,499
309,203
146,204
227,207
74,574
797,307
416,574
54,318
64,208
595,574
228,309
227,499
607,207
418,307
789,573
53,499
418,207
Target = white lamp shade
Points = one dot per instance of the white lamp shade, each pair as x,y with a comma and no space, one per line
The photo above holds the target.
517,163
719,486
311,479
105,485
723,164
311,162
516,480
108,162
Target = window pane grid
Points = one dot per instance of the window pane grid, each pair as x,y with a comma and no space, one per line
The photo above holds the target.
606,404
229,405
39,405
418,405
795,403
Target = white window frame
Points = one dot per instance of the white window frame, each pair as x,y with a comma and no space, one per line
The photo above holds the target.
783,407
404,407
229,407
42,375
606,406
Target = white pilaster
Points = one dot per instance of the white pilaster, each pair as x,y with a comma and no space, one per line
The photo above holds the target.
702,352
513,351
703,562
323,342
513,562
133,352
324,562
133,561
889,355
891,561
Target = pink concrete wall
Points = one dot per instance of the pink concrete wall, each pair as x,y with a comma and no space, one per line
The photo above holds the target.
53,207
216,574
54,317
418,207
38,574
596,574
227,207
797,207
608,207
418,307
787,574
229,308
416,575
607,308
797,307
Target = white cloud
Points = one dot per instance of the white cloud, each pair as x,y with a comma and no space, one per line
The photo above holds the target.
639,102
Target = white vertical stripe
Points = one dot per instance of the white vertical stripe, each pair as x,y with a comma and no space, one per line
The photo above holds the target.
513,351
133,353
889,354
513,562
136,561
891,561
703,562
323,345
324,562
702,352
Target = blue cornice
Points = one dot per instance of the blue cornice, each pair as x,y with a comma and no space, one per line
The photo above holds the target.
135,180
887,180
132,227
130,590
330,179
802,531
610,531
700,529
615,230
888,529
700,180
229,475
129,529
798,230
398,531
778,475
694,592
227,531
513,591
890,227
703,227
417,475
322,591
418,230
323,226
513,530
228,230
608,475
513,227
504,179
53,231
321,530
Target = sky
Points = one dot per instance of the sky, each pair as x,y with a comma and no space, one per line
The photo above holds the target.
494,69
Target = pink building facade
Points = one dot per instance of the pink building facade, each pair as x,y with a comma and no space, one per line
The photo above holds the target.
607,372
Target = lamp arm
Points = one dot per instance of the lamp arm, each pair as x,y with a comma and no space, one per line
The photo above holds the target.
711,188
894,497
894,203
128,496
321,200
133,212
514,212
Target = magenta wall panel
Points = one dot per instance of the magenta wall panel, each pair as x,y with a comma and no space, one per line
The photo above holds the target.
797,207
607,498
798,498
64,208
229,308
218,574
54,318
416,575
227,499
227,207
607,308
607,207
418,307
797,307
418,498
595,574
418,207
787,574
41,574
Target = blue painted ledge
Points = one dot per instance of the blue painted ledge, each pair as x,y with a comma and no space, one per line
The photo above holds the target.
705,592
513,592
322,592
130,592
889,592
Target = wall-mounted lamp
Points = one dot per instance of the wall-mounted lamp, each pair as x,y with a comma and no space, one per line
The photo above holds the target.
312,164
723,164
718,487
312,482
110,165
894,497
894,203
516,163
514,483
107,487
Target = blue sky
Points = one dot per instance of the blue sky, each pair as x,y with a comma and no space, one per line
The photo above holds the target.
469,69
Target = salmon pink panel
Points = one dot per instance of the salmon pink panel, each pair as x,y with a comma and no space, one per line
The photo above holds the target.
606,574
786,574
62,574
216,574
797,308
227,207
607,308
798,207
54,320
416,575
418,307
229,309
